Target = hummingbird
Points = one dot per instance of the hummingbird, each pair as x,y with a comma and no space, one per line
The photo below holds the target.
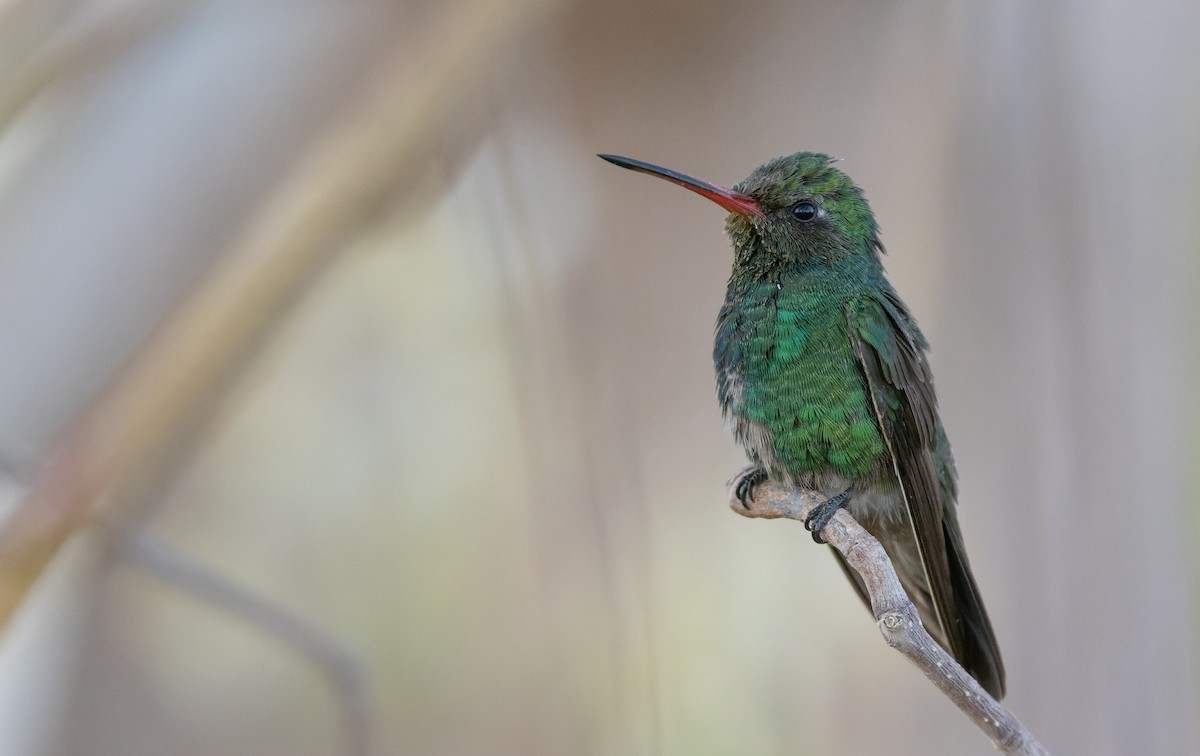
822,376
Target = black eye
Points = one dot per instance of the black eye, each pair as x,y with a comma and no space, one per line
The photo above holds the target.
804,211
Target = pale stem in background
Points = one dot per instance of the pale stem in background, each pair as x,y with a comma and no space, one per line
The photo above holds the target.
126,447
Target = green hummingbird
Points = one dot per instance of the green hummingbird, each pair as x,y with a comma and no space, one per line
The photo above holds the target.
822,376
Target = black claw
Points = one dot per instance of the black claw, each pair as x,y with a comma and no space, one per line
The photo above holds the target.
744,490
821,514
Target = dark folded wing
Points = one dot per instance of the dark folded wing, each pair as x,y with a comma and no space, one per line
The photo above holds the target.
891,352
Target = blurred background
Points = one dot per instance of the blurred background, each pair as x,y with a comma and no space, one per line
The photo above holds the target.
349,404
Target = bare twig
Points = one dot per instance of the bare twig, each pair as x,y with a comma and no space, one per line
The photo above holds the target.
895,614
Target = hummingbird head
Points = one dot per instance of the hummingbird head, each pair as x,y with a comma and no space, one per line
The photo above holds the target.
797,208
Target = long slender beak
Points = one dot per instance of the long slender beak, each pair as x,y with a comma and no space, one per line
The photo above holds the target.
734,202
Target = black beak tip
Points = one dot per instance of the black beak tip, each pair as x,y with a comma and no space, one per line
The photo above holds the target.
615,160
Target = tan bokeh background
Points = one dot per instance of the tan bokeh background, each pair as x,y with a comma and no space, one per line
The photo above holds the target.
481,451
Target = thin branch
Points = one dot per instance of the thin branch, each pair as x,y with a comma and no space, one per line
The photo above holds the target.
345,673
895,614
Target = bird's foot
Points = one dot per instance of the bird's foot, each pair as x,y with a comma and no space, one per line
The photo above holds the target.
743,484
821,514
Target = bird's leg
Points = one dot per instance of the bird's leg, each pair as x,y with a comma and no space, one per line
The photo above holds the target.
745,481
821,514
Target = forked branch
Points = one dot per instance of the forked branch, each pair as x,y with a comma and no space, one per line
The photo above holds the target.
895,614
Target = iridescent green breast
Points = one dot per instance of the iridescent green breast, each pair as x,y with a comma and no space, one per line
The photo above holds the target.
790,383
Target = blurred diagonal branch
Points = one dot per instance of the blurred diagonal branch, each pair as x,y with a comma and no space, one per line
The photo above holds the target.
76,47
26,25
895,613
124,449
344,672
